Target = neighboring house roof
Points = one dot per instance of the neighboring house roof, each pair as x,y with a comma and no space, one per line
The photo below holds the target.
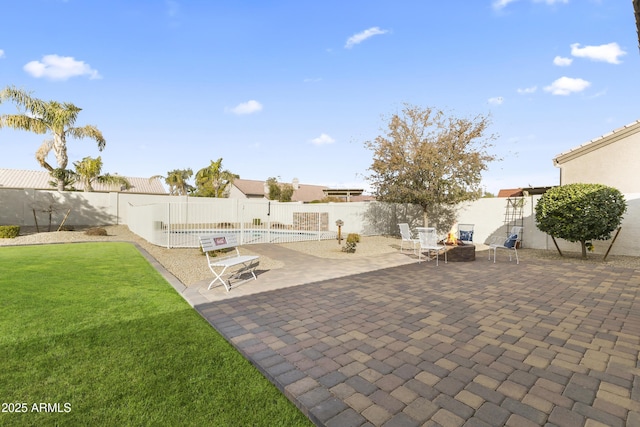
250,187
599,142
301,193
510,192
363,198
16,178
308,193
520,192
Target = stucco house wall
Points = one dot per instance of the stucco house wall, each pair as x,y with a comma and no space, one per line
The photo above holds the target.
612,160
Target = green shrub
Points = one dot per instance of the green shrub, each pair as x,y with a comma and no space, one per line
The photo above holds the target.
353,238
9,231
580,212
225,225
96,231
350,247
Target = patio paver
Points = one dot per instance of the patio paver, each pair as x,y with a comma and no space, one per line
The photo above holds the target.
540,343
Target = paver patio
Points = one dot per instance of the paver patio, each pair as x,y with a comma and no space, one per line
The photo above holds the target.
461,344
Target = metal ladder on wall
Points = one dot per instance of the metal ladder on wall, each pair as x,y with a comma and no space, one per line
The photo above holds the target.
514,214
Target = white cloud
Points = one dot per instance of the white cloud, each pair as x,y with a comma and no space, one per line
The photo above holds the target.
248,107
561,61
501,4
312,80
599,94
497,100
323,139
605,52
567,85
56,67
362,36
1,53
526,90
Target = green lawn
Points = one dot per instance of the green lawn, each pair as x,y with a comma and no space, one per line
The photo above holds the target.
95,332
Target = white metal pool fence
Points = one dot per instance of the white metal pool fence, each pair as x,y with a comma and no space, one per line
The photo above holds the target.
179,224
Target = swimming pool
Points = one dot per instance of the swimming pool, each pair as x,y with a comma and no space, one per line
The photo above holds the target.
188,238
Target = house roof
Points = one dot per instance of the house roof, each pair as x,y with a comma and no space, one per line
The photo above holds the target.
520,192
303,192
363,198
599,142
308,193
510,192
16,178
636,9
250,187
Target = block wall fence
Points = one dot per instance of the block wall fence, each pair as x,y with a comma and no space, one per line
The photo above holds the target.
27,207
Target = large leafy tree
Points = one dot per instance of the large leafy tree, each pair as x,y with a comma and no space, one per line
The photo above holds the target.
580,212
213,180
430,159
48,117
89,170
178,181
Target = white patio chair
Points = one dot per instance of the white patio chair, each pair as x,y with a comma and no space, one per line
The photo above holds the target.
429,242
407,237
465,233
510,244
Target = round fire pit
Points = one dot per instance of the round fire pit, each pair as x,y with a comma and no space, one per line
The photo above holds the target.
461,253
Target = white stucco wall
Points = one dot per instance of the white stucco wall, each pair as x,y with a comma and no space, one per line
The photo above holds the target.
235,193
614,161
487,215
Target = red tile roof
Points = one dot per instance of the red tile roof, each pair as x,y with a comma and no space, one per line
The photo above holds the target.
510,192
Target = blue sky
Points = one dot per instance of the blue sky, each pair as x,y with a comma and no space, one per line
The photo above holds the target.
294,88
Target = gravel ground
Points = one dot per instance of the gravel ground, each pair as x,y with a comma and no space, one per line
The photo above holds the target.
189,265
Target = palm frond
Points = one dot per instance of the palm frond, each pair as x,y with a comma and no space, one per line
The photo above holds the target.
24,100
43,152
114,179
23,122
88,131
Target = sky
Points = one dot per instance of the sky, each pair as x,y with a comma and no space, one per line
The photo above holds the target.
294,89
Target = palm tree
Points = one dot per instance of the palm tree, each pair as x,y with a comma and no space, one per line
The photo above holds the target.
67,176
89,170
48,117
213,181
177,181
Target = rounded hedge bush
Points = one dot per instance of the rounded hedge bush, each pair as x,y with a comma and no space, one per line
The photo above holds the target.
580,212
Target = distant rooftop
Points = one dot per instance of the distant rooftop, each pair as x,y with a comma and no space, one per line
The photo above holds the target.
39,180
520,192
302,192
